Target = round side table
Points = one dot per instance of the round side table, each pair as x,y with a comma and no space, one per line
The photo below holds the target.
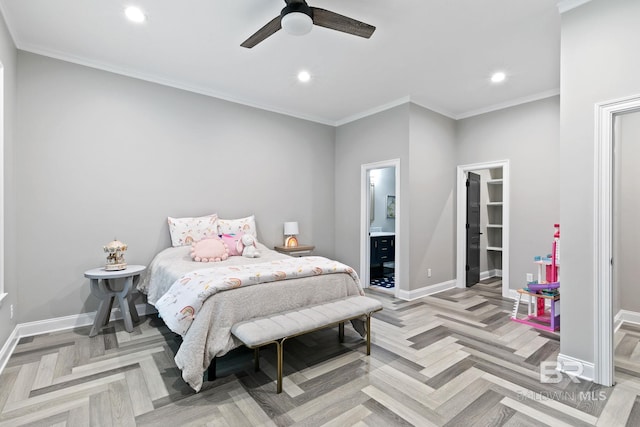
103,286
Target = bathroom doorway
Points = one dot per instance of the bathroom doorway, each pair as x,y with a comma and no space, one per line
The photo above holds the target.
379,253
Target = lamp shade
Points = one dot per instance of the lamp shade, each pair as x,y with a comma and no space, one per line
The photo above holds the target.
296,23
291,228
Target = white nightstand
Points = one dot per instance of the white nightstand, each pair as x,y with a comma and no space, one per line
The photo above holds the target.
106,286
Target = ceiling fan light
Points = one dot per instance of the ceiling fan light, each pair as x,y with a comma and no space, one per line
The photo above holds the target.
296,23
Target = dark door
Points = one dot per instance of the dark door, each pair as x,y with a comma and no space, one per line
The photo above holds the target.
473,229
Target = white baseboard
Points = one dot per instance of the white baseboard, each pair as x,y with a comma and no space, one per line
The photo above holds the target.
617,321
74,321
490,273
625,316
439,287
588,368
426,290
7,348
58,324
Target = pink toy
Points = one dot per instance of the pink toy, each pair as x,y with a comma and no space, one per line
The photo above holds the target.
234,243
555,254
545,320
542,286
537,315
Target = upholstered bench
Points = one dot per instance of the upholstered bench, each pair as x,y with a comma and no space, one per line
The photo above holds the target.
278,327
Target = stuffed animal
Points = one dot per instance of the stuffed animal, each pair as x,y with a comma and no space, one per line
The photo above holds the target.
249,243
209,250
234,243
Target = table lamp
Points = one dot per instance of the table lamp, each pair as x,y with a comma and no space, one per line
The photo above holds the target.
291,231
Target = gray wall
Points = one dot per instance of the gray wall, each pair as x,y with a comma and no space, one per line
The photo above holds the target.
179,154
600,41
424,142
382,136
432,190
626,198
528,136
8,59
104,156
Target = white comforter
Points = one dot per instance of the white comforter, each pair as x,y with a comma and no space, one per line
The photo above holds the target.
210,333
181,304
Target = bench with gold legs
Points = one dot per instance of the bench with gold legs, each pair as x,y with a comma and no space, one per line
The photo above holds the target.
278,327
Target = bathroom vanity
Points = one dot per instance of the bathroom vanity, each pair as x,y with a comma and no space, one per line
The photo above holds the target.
383,254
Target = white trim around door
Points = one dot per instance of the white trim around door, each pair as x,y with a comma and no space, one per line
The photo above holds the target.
365,217
605,113
462,220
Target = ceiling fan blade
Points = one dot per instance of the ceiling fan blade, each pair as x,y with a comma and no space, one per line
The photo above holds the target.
271,28
334,21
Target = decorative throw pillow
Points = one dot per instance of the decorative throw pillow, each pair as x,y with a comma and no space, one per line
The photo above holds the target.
234,243
238,226
209,250
185,231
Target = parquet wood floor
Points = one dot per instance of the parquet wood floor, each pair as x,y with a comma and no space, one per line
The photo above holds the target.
451,359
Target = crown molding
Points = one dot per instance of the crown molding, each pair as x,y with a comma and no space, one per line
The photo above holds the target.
234,99
435,109
165,82
511,103
372,111
229,98
567,5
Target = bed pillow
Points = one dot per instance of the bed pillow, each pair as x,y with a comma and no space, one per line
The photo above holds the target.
185,231
209,250
234,243
238,226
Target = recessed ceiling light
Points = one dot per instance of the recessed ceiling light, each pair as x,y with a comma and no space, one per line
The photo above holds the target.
498,77
135,14
304,76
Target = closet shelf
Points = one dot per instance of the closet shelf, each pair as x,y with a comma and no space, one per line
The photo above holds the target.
494,248
494,225
495,181
494,204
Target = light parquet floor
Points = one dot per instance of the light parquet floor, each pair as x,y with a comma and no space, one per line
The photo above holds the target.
451,359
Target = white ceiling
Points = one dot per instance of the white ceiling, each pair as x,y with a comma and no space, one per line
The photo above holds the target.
436,53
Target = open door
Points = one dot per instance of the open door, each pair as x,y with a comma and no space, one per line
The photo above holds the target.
463,258
473,229
387,213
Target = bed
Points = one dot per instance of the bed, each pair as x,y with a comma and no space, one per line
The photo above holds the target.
209,334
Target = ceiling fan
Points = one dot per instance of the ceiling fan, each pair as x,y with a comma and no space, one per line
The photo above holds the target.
298,18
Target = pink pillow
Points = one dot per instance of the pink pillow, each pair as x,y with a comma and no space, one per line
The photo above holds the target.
209,250
234,243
